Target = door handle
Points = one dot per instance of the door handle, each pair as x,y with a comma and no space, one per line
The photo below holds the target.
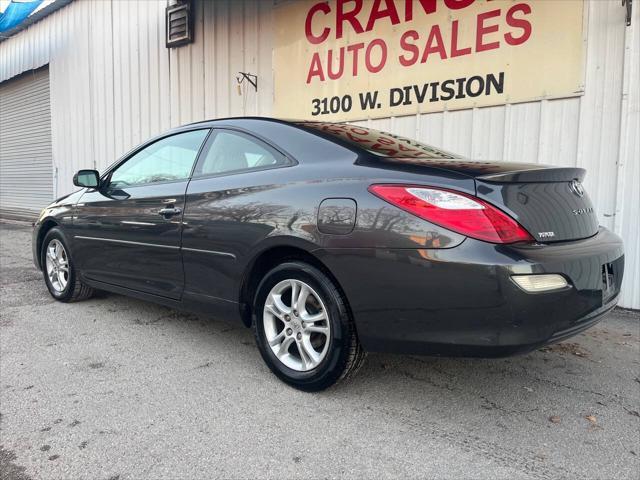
169,211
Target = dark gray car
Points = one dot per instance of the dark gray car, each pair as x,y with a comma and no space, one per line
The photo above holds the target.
331,240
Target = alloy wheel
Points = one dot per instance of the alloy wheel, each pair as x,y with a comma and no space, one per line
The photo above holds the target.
296,325
57,263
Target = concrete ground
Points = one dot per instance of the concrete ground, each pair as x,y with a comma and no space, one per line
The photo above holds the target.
115,388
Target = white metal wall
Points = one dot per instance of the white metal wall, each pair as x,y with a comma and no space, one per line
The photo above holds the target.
113,84
627,219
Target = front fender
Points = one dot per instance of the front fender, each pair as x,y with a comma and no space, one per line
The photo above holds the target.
59,213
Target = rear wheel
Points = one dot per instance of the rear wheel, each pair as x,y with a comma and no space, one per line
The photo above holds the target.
303,327
59,270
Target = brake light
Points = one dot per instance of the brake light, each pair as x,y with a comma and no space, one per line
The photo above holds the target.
455,211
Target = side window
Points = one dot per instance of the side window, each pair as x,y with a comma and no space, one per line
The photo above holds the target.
168,159
232,151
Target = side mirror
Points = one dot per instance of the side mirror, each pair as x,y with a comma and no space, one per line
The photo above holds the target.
87,178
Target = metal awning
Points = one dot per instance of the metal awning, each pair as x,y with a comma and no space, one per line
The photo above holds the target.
34,16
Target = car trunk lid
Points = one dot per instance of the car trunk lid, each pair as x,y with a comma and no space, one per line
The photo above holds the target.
550,203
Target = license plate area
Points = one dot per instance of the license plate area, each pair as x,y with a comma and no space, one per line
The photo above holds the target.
608,282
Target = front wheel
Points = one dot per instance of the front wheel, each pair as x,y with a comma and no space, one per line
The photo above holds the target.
60,273
304,329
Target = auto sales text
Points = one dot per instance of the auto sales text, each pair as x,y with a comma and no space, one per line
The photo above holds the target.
325,23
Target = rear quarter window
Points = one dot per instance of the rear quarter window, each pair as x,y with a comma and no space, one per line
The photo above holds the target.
230,151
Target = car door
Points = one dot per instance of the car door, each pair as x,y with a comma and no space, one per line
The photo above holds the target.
233,201
128,232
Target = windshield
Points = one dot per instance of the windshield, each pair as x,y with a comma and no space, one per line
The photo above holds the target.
379,143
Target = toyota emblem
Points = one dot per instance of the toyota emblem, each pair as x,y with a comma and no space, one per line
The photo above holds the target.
577,188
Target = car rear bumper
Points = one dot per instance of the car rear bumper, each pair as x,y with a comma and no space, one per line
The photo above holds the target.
463,302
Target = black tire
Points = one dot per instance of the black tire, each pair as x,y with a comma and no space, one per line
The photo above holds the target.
344,355
74,290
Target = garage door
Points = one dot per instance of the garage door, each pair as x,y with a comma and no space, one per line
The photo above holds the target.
26,166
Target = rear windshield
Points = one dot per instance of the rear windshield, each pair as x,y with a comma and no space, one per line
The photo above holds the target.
379,143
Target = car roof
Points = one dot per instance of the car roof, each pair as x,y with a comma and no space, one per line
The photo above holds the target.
212,121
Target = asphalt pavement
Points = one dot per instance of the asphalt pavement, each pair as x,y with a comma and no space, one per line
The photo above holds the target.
116,388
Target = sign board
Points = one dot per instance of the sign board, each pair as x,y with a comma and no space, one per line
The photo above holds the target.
357,59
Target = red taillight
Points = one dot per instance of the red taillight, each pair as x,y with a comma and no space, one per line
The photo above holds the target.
455,211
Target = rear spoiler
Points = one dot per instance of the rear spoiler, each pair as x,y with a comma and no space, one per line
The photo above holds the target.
536,175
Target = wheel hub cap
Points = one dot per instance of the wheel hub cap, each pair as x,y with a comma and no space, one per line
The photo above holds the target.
296,325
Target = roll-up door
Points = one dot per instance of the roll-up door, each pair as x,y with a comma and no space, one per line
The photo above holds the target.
26,162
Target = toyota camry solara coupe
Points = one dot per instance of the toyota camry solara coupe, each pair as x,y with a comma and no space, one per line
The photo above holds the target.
331,240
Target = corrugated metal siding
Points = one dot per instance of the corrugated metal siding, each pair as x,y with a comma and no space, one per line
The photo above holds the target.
113,84
26,168
627,219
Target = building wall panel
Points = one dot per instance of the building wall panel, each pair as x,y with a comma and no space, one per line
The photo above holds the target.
599,119
627,215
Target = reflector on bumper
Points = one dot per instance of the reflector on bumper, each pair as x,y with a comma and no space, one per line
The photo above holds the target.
540,283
